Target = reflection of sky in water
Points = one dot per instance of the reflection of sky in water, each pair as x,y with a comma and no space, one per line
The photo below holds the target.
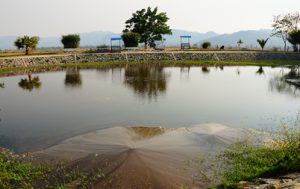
75,101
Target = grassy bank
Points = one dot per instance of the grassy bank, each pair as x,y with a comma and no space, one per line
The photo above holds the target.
17,171
273,63
249,160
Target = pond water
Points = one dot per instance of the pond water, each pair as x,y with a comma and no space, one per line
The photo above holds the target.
43,109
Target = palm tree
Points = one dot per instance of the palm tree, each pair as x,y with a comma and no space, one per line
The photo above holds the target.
30,83
262,43
239,42
27,43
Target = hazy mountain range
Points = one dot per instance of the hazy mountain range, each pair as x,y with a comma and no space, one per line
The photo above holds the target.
103,37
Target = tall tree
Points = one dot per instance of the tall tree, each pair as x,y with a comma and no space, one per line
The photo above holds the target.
150,24
284,24
294,39
262,43
27,43
70,41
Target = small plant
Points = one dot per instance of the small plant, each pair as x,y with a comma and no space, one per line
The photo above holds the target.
206,45
239,43
262,43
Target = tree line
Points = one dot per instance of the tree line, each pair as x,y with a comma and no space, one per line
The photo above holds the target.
149,25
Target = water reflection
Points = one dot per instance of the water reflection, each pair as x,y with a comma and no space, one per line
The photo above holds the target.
260,71
2,85
279,83
146,81
220,66
30,83
205,69
73,78
185,73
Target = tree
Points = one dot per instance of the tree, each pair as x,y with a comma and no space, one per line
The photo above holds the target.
239,43
70,41
27,43
284,24
294,39
131,39
150,24
206,45
262,43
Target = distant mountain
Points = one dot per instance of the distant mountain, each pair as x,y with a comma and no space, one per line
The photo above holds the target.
103,37
249,39
174,39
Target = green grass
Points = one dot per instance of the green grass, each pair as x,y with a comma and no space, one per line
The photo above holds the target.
40,68
247,160
16,172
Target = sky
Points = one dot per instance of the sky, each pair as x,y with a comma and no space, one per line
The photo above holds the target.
59,17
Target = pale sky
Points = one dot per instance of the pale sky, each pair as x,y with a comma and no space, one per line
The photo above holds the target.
58,17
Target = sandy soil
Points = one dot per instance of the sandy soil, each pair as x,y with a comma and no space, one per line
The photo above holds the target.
142,157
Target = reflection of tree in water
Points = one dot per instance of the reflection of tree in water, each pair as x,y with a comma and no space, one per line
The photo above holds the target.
146,81
73,78
30,83
185,73
279,84
260,71
1,85
205,69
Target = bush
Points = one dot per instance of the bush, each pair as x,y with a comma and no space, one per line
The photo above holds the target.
131,39
206,45
71,41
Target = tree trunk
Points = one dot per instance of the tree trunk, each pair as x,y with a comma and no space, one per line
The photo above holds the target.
26,50
285,49
145,44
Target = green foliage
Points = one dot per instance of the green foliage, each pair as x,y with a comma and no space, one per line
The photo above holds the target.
294,39
206,45
19,43
15,174
71,41
131,39
27,43
247,160
284,24
240,42
150,24
262,43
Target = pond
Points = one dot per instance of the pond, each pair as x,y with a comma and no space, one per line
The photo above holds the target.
40,110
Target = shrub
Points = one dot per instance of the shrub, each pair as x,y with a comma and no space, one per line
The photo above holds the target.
71,41
131,39
206,45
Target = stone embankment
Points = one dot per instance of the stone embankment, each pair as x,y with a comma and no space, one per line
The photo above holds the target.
291,181
144,56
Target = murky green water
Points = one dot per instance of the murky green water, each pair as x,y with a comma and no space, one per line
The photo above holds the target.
43,109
